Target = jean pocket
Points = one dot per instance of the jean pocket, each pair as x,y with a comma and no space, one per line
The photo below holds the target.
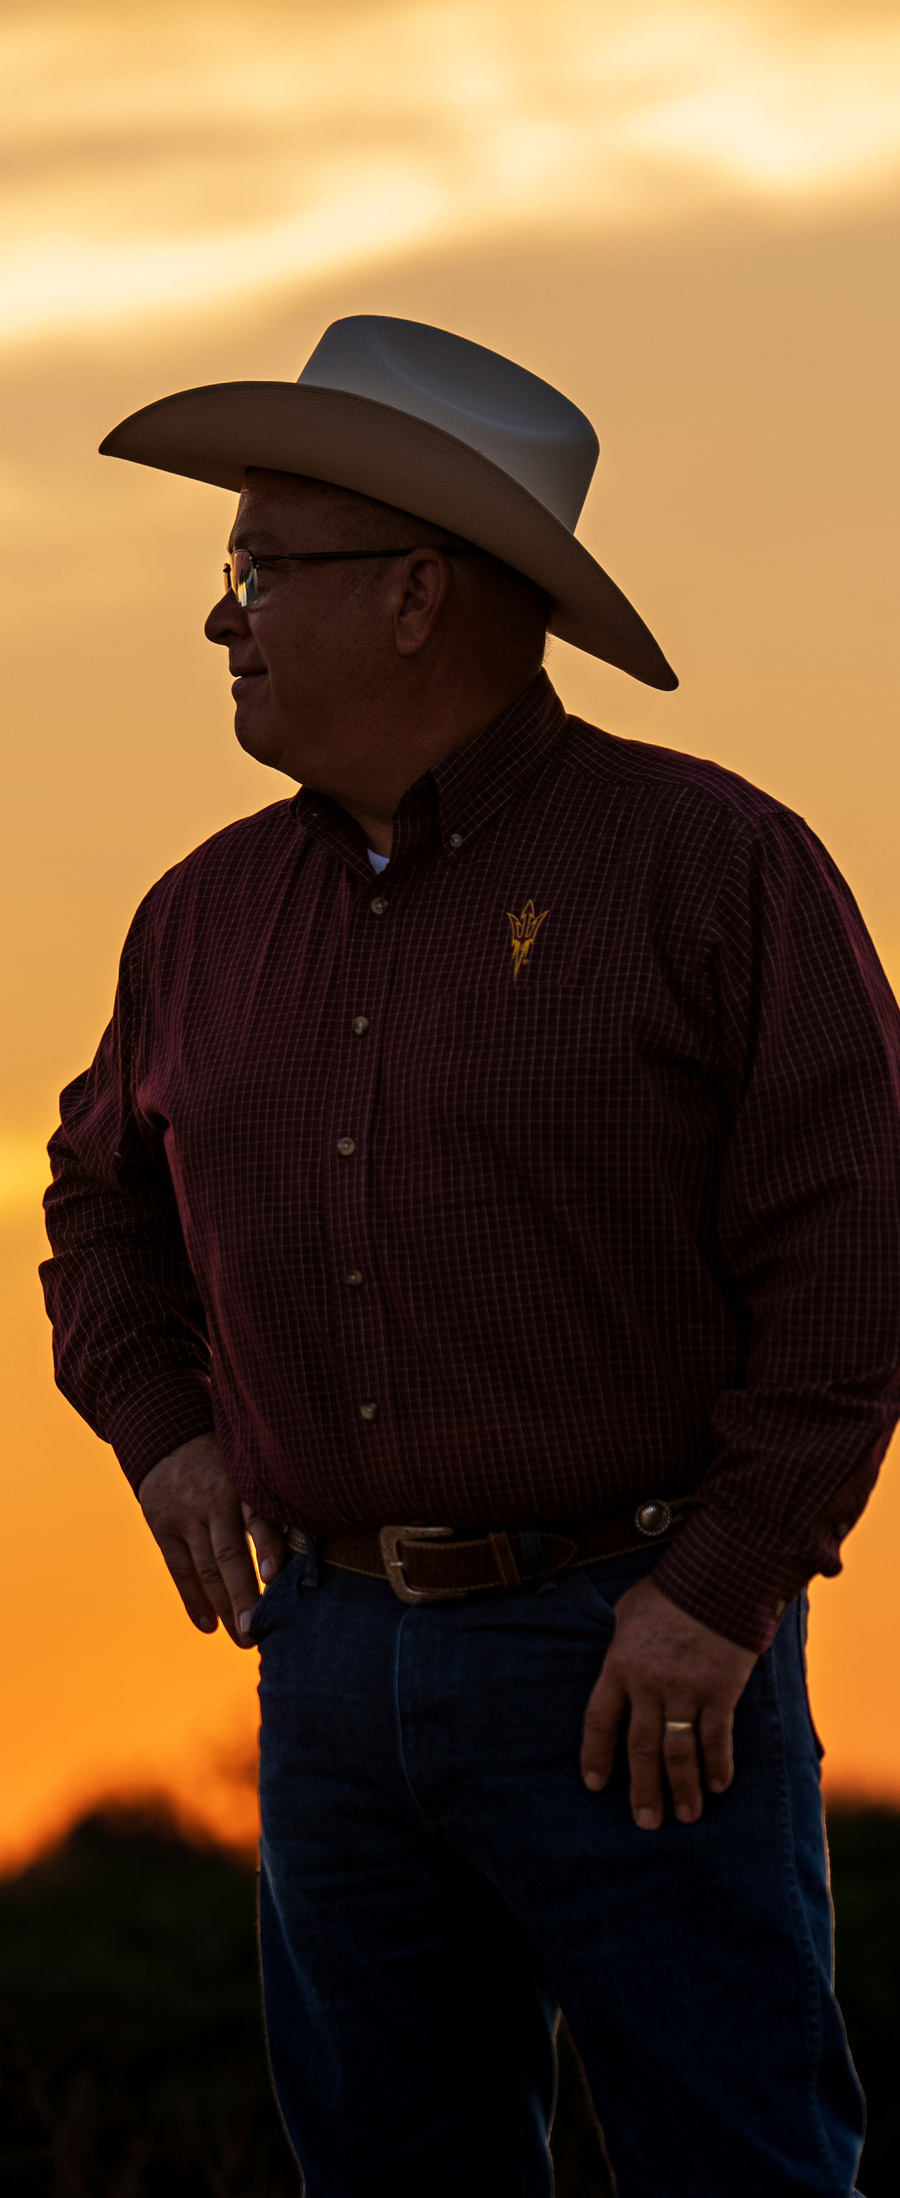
272,1600
595,1598
611,1577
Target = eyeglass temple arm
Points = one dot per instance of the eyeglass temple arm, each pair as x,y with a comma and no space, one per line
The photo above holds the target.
327,557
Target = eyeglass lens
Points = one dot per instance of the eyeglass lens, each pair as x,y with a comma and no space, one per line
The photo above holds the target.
240,573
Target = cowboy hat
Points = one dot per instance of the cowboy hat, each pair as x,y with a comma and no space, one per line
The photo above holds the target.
431,423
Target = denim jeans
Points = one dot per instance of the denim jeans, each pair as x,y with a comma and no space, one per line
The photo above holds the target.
436,1881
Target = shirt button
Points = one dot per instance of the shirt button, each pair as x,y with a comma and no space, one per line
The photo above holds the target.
353,1278
455,839
346,1147
359,1024
378,905
368,1411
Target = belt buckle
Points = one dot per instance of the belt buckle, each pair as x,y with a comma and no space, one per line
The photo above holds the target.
390,1538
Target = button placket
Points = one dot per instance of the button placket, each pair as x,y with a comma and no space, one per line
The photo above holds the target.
370,954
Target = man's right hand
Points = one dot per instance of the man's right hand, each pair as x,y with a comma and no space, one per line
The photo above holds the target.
194,1511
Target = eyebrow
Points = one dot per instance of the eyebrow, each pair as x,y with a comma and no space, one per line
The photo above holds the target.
240,539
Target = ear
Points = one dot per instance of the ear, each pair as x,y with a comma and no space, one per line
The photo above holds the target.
422,591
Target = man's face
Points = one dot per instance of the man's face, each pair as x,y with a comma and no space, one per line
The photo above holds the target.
306,654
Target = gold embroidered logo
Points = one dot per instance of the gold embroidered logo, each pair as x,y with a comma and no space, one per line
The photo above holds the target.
524,930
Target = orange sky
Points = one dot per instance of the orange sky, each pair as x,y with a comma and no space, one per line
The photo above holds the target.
686,216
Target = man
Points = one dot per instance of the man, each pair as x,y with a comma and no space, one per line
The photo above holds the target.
509,1242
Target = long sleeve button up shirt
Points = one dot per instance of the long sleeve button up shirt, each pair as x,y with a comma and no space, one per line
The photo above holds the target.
554,1169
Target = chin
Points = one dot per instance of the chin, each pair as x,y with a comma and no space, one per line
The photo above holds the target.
264,747
252,738
250,715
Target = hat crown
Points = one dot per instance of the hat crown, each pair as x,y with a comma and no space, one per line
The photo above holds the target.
522,424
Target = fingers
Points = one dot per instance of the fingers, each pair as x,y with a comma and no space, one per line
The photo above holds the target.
268,1540
682,1767
238,1594
192,1508
206,1572
645,1764
710,1739
602,1719
679,1682
655,1757
659,1759
716,1729
196,1602
213,1572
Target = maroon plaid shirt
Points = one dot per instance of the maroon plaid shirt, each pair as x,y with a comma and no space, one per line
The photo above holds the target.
554,1169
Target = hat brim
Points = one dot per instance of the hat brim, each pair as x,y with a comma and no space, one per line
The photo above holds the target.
214,433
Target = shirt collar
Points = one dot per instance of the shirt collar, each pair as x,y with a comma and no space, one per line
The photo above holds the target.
484,775
461,794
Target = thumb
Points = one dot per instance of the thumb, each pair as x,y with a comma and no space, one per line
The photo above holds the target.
268,1542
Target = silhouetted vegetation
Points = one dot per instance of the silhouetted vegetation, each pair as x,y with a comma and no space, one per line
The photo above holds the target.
129,2000
131,2055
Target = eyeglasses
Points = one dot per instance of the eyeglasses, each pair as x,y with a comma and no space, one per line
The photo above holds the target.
242,568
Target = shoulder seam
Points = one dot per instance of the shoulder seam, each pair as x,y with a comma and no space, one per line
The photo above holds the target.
748,805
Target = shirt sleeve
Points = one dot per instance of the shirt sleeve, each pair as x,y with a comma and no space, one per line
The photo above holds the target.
809,1236
130,1346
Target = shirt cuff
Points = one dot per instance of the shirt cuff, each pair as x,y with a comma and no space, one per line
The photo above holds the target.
156,1418
732,1575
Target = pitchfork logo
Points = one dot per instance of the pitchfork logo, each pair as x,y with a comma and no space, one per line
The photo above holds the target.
524,930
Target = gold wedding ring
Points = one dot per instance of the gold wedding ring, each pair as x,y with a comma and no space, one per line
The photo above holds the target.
679,1724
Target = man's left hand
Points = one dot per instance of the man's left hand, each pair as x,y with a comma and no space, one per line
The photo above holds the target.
664,1666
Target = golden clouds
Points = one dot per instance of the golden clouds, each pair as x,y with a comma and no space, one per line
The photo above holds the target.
171,161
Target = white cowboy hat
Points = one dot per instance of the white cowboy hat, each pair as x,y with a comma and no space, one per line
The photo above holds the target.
439,426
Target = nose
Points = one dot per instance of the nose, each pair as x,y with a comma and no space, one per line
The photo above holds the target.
226,619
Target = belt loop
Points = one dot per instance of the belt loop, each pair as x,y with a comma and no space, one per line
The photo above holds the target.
302,1545
532,1545
504,1559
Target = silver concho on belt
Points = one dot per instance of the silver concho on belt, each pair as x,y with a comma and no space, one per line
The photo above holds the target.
653,1517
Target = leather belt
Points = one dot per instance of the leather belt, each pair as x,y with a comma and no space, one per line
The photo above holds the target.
435,1564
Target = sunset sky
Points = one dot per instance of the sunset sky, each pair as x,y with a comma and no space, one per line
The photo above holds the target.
683,215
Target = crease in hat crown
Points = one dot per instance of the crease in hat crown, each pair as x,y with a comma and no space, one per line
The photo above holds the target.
518,422
431,423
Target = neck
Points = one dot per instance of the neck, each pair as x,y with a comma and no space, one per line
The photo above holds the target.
441,727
